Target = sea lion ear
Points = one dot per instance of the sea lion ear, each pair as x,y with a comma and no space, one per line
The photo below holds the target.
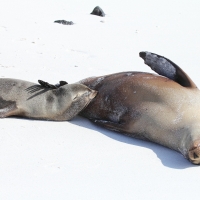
165,67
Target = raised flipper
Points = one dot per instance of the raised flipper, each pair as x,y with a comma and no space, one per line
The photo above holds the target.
167,68
7,108
48,85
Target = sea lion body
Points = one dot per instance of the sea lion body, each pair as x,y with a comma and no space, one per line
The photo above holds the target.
149,107
23,98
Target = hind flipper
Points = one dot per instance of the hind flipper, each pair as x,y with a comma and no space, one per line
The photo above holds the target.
7,108
48,85
167,68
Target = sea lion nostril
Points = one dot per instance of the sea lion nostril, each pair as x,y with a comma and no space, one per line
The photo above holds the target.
193,148
195,155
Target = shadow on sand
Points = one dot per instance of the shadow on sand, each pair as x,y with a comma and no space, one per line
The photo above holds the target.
168,157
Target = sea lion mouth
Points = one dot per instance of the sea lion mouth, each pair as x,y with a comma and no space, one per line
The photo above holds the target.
194,152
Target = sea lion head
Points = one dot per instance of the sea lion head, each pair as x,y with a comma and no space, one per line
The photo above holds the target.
70,100
80,97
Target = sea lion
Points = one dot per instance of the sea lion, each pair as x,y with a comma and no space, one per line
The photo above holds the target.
45,101
159,108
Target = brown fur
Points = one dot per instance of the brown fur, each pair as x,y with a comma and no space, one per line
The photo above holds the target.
150,107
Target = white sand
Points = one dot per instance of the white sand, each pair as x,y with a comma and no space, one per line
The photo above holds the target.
78,160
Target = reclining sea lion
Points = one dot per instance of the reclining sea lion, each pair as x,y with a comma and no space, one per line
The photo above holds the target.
45,101
159,108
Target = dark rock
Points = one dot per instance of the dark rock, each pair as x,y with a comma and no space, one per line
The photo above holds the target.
98,11
64,22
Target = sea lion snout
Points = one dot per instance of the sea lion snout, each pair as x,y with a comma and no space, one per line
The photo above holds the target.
194,152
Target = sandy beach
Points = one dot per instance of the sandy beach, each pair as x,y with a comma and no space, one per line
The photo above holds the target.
76,159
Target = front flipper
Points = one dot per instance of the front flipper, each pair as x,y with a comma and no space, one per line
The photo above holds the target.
167,68
7,108
109,125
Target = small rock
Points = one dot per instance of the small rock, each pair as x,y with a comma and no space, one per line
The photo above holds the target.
98,11
64,22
